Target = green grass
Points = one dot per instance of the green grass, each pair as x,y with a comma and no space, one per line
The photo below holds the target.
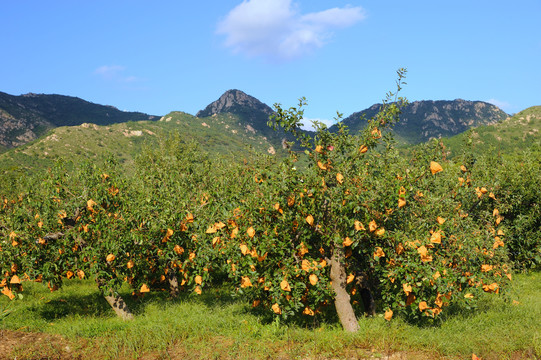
215,325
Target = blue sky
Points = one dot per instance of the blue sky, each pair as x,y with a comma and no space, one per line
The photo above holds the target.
164,56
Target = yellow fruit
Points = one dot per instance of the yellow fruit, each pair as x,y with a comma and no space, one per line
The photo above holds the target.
308,311
359,225
250,232
435,167
423,306
245,282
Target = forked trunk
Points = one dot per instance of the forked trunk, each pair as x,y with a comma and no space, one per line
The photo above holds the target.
342,300
119,306
173,284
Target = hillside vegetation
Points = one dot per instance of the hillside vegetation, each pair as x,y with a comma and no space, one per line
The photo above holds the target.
514,134
224,134
26,117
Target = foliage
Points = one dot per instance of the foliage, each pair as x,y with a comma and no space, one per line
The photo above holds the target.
343,221
516,181
370,214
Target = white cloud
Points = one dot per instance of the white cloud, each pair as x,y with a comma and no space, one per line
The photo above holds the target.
308,123
276,29
115,73
504,105
109,71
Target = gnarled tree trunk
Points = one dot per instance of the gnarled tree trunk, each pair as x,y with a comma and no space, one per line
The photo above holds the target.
117,303
119,306
342,300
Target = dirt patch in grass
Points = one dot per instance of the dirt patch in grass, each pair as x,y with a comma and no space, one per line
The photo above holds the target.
31,345
34,346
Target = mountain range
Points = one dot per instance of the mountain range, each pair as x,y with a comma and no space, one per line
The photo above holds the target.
39,128
26,117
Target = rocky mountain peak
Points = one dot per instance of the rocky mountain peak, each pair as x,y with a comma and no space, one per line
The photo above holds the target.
423,120
235,101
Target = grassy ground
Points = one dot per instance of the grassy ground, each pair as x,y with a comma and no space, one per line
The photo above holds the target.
75,322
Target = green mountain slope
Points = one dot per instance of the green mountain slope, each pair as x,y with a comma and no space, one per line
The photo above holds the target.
421,121
221,133
26,117
517,133
252,113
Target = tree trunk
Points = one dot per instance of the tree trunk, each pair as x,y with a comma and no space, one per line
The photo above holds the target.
119,306
173,283
342,300
117,303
